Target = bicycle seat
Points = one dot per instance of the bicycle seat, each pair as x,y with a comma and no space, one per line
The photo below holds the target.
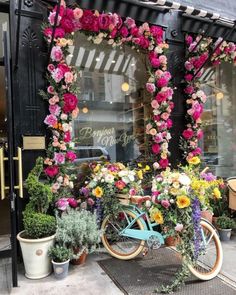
139,199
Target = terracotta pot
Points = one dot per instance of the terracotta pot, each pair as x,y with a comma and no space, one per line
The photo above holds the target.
81,259
207,215
214,220
171,241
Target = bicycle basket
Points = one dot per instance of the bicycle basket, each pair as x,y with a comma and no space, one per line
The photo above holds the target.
231,182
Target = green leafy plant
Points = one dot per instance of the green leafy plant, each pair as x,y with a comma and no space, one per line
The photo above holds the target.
60,253
78,229
225,222
37,223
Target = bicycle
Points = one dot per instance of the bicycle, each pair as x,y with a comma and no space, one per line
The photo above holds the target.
125,237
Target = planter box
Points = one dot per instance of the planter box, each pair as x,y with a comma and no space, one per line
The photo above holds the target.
123,198
232,192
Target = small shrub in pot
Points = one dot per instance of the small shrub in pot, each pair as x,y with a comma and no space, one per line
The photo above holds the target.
225,225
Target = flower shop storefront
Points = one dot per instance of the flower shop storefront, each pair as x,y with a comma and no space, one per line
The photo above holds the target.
128,85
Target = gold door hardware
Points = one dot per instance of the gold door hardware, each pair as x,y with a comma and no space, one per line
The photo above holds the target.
2,173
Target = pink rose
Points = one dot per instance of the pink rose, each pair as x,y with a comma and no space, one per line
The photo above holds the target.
197,151
188,66
69,77
156,31
150,87
188,39
130,23
165,116
64,68
62,204
132,192
51,171
159,73
143,42
169,123
199,134
50,120
53,100
164,163
71,156
78,13
89,21
155,104
189,89
51,68
50,89
55,109
90,202
104,21
56,53
67,136
155,62
165,204
162,82
179,227
163,59
113,33
59,158
156,148
161,96
70,102
188,133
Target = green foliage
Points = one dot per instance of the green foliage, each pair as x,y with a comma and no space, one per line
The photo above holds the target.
38,225
60,253
225,222
78,229
40,193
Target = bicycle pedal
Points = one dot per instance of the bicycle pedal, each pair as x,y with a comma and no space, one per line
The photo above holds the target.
145,252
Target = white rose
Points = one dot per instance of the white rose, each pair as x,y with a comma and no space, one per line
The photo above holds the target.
65,127
184,179
64,116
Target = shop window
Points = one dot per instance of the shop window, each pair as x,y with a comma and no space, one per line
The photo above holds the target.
219,120
114,105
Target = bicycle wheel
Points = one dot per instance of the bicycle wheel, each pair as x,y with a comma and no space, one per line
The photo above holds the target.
124,248
210,261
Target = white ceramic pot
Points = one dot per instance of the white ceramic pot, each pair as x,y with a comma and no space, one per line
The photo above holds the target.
35,256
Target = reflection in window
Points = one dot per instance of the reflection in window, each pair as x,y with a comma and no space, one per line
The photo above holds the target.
114,104
219,120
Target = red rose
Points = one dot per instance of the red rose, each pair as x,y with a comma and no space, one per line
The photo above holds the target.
64,68
164,163
104,21
188,133
72,202
51,171
89,21
67,24
124,32
156,148
67,136
70,102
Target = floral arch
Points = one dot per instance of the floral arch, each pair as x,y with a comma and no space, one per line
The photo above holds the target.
62,91
199,50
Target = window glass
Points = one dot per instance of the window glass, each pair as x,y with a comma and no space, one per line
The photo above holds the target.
113,102
219,119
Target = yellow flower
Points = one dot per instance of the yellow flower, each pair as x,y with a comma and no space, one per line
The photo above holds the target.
96,169
147,168
183,201
174,191
216,193
157,216
140,174
176,184
194,161
97,192
140,165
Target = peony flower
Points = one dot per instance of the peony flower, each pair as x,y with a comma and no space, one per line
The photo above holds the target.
56,53
124,32
67,136
59,158
57,75
62,204
51,171
55,109
72,202
70,102
51,120
71,156
188,133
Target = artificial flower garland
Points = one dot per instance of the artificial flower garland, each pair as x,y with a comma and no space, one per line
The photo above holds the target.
62,91
198,50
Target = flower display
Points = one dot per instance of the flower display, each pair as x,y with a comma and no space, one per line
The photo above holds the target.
198,50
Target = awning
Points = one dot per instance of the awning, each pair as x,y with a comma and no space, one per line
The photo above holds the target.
211,10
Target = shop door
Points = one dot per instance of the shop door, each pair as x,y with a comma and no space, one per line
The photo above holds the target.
10,184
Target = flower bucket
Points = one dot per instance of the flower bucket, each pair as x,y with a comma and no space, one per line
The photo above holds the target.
171,241
123,198
225,234
207,215
60,269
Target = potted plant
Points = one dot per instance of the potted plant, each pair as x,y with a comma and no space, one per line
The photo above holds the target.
60,256
78,230
39,226
225,225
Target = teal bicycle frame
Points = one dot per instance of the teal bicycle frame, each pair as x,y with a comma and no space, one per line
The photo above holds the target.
145,234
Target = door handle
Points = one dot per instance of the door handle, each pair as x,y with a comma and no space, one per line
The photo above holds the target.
20,177
2,173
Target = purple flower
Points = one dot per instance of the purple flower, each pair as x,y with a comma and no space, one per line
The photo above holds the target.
208,176
84,191
196,217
